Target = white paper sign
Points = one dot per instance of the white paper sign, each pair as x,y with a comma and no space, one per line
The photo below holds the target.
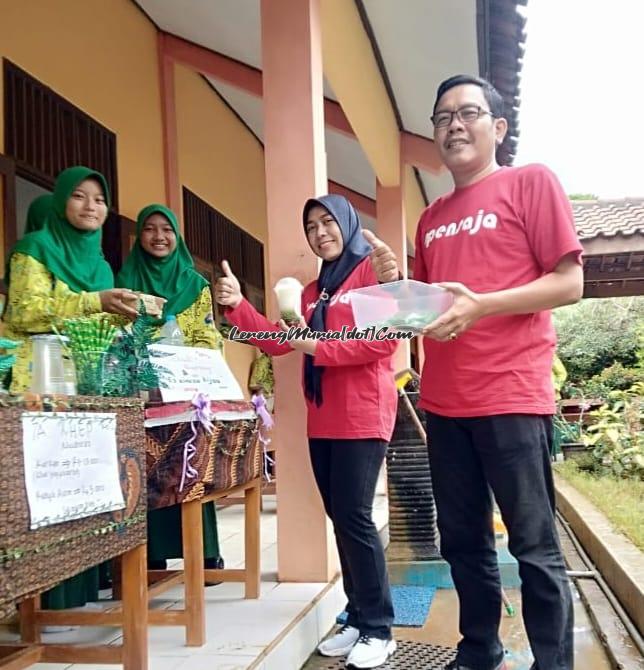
185,371
71,465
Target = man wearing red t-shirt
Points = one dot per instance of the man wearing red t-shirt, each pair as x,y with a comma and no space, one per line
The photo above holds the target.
504,243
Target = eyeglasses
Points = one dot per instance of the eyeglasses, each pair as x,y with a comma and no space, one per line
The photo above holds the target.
466,114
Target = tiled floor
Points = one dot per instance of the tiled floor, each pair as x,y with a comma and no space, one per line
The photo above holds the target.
441,626
281,629
238,630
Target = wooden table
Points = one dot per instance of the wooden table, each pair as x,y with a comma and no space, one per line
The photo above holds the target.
133,617
228,455
193,575
55,552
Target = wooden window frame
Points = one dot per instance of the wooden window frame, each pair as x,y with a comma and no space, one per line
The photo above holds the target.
45,133
212,237
8,176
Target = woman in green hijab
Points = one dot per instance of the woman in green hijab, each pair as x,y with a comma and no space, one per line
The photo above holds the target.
161,265
59,272
36,215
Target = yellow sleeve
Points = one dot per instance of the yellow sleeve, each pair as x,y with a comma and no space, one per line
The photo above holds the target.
198,324
559,374
37,300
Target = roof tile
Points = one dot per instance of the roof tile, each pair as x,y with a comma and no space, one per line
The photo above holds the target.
607,218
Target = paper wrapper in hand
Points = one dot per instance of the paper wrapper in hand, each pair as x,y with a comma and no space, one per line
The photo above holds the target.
152,303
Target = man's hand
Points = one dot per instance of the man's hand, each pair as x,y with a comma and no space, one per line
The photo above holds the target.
228,289
383,259
467,308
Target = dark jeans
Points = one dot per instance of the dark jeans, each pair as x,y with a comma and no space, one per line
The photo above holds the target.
509,454
346,472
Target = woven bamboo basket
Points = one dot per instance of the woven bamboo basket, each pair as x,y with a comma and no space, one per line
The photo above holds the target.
32,561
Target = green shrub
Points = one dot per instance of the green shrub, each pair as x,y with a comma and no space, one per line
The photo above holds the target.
616,438
596,333
613,378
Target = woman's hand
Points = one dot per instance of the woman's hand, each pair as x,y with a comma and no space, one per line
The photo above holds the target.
228,289
305,345
120,301
467,309
383,259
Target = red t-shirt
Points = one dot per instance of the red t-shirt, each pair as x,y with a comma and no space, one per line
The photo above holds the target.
358,387
506,230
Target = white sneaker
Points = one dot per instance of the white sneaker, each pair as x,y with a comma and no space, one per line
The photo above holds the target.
341,643
370,652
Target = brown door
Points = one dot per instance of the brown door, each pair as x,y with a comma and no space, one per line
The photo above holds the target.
46,133
8,224
119,234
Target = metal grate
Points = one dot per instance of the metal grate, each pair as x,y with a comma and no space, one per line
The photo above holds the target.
408,656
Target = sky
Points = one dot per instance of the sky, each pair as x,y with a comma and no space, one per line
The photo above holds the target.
582,94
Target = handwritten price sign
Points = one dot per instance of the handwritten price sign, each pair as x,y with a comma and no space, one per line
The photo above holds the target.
71,465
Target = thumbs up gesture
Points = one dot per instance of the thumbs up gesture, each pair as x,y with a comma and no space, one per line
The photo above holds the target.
228,289
383,259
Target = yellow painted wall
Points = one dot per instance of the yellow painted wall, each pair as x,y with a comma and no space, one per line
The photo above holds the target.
351,69
102,57
239,358
223,165
221,162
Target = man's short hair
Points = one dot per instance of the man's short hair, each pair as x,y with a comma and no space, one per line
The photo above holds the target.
492,96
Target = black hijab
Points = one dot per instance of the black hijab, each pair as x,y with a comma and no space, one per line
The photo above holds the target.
332,275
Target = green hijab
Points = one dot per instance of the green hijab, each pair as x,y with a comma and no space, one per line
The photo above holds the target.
173,277
74,256
37,212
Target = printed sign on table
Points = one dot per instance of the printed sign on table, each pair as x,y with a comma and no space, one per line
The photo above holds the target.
186,371
71,465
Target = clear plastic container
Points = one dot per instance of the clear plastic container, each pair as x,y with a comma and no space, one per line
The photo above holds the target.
50,371
170,332
404,306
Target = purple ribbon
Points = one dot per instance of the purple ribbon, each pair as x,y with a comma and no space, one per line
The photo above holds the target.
259,402
202,415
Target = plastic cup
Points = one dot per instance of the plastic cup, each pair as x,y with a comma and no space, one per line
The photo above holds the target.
289,298
48,365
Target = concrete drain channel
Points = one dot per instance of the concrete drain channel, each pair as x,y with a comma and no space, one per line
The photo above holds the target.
408,656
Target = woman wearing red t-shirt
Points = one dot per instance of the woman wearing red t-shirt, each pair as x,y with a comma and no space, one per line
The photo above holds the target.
351,401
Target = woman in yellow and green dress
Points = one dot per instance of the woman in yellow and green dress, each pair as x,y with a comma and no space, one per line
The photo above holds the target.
161,265
55,273
59,272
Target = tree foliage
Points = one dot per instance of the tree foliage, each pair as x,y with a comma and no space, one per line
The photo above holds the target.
582,196
596,333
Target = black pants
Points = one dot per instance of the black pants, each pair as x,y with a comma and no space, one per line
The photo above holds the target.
346,472
509,454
